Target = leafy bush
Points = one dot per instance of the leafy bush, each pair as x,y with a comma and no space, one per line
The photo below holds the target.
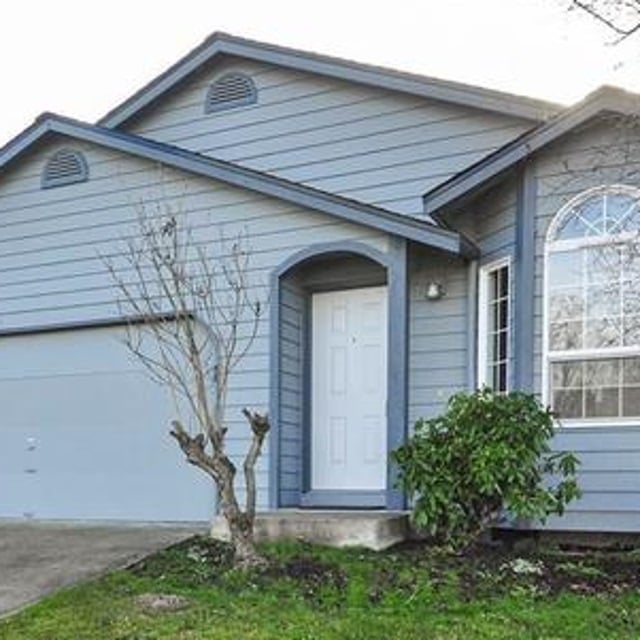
487,454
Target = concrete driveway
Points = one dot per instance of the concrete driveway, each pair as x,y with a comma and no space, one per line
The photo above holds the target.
38,558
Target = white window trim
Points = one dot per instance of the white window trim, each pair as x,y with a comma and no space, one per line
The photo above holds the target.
483,327
565,245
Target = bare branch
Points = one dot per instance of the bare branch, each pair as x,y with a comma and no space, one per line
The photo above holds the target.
260,427
622,17
195,321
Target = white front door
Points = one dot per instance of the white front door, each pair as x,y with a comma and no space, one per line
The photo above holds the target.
349,390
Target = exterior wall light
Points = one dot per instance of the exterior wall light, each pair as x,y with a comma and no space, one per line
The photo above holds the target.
434,291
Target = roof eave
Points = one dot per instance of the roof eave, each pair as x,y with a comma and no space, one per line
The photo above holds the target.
464,185
242,177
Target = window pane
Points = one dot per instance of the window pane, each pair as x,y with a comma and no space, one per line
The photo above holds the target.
603,333
566,304
631,402
603,263
588,217
503,280
631,262
632,331
494,293
502,345
631,300
602,403
565,268
631,371
504,313
565,336
621,212
566,375
502,377
493,354
584,220
568,404
603,300
601,373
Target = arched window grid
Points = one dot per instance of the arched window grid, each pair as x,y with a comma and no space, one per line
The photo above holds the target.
591,329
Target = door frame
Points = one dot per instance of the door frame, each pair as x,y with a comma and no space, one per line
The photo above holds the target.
395,262
331,497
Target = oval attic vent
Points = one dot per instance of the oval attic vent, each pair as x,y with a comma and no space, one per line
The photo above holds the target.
230,91
64,167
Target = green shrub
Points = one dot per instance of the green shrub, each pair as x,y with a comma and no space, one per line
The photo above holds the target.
488,455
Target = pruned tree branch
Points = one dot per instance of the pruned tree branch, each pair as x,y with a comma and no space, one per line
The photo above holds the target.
197,316
259,427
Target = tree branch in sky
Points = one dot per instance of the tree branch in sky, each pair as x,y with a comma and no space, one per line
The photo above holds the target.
621,17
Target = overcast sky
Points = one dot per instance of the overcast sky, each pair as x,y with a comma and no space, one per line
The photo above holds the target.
82,58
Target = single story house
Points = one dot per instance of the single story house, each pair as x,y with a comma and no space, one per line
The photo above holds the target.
419,237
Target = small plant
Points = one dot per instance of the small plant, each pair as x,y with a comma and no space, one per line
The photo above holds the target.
486,455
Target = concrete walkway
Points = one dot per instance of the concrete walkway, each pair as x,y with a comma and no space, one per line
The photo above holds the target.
38,558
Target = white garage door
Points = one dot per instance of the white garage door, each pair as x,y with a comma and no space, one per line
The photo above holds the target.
84,434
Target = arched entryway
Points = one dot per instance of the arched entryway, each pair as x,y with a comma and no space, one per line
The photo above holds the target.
338,370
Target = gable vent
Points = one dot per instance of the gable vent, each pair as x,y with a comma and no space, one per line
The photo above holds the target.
230,91
64,167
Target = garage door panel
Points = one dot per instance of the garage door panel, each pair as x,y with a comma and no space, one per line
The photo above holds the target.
181,496
90,442
84,351
98,399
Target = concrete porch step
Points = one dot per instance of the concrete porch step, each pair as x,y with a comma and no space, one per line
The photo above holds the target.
375,530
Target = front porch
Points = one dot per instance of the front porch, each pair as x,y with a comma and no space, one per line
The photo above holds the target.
375,530
339,377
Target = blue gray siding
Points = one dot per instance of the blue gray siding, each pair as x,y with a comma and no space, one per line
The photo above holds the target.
438,333
368,144
53,244
610,455
292,392
610,471
490,222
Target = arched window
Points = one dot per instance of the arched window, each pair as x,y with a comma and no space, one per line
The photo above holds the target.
230,91
65,166
592,307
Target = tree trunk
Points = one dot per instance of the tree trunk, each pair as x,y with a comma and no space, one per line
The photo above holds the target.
222,471
244,549
240,528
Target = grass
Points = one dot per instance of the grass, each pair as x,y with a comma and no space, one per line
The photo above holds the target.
313,592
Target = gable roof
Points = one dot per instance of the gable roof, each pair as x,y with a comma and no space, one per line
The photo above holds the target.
420,231
221,44
464,184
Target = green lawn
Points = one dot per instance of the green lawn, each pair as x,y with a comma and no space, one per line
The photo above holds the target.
314,592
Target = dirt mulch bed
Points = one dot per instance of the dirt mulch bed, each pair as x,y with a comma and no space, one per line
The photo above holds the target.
480,571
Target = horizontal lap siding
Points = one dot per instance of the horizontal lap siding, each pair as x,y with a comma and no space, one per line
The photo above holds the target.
438,349
53,245
292,315
490,222
609,455
368,144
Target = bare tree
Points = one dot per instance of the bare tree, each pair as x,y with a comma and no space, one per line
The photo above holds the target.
194,320
620,17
